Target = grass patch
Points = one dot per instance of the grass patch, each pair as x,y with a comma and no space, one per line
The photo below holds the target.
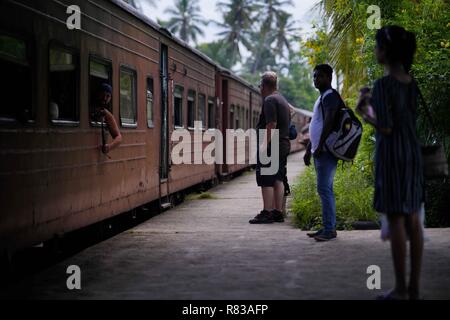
248,172
201,196
353,192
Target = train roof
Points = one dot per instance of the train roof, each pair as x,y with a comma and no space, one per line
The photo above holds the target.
153,24
231,75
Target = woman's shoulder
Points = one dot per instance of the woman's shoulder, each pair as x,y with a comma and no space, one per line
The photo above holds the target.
381,81
381,84
390,83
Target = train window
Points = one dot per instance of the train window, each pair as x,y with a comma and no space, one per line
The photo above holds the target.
202,109
63,84
99,73
191,108
211,114
178,106
238,115
16,91
231,121
149,102
128,108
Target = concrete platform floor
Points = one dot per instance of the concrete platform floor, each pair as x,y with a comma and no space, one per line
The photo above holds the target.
206,249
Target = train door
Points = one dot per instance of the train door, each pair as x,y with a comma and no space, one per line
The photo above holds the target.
164,152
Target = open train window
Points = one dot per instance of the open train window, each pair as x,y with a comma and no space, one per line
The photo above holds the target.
211,114
191,108
99,73
63,87
178,106
149,103
202,109
128,107
16,89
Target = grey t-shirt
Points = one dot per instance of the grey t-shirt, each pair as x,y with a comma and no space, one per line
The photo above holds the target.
276,109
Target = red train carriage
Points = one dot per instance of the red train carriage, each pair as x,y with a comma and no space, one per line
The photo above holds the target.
53,178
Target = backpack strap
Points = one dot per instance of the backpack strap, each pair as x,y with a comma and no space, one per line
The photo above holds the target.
329,91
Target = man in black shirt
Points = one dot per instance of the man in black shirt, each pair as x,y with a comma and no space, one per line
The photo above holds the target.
275,114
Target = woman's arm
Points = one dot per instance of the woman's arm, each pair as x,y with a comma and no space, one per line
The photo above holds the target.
363,107
366,111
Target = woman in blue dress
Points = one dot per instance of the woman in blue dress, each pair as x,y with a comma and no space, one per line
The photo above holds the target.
391,108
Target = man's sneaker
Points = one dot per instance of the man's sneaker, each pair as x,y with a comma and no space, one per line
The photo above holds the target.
263,217
326,236
315,234
277,216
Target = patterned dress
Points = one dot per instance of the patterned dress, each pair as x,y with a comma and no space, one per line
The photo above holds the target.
399,182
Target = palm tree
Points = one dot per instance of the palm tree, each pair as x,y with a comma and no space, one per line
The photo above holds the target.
263,55
273,9
272,30
344,37
286,32
185,20
237,17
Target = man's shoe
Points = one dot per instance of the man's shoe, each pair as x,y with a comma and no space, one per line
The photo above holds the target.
326,236
277,216
263,217
315,234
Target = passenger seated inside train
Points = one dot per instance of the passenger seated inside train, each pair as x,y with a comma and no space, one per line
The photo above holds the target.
103,115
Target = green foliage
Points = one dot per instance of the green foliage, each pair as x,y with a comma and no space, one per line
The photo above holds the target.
344,41
238,18
216,51
353,193
201,196
185,20
297,84
353,188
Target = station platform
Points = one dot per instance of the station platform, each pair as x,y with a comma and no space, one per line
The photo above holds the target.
206,249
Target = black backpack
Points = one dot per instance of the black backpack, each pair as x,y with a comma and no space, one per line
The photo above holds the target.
344,140
292,132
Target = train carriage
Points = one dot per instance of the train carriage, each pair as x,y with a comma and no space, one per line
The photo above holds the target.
53,177
240,103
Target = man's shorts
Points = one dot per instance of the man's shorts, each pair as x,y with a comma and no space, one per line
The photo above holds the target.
269,180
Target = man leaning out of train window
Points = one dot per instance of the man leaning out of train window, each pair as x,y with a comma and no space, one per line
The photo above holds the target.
102,114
